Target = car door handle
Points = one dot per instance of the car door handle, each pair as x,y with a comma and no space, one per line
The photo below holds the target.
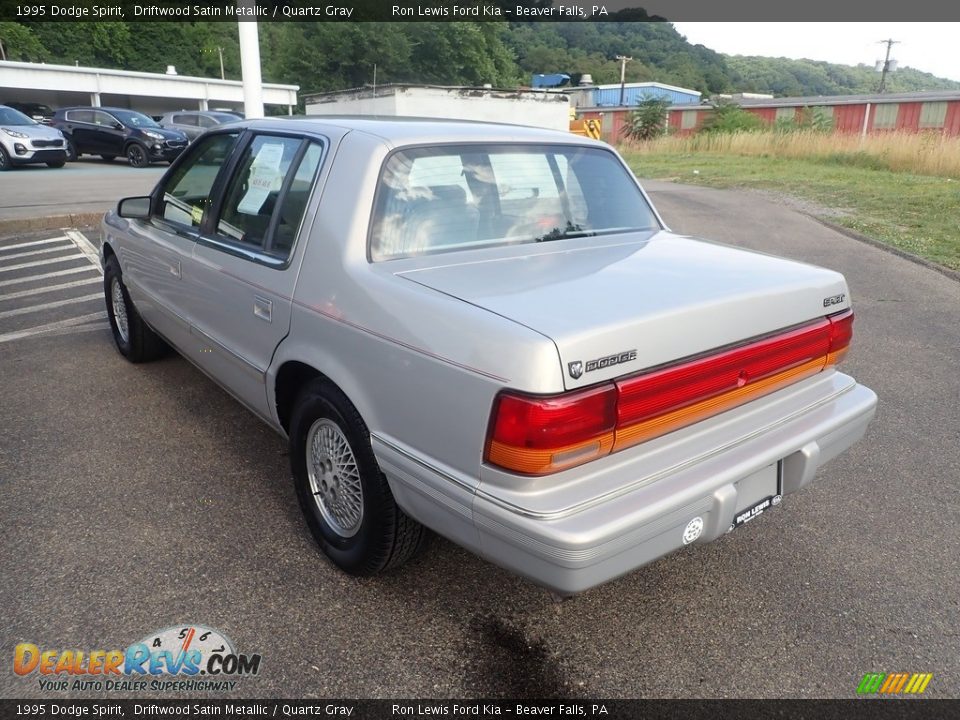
263,308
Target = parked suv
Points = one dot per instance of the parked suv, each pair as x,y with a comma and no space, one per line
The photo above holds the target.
109,132
39,112
24,140
193,124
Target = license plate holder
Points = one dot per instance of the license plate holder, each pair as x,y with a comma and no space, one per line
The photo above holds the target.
771,493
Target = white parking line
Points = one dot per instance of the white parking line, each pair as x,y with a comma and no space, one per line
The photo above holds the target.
49,288
47,306
71,240
85,246
34,243
44,251
41,329
45,276
38,263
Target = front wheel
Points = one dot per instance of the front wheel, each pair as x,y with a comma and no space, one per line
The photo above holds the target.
56,163
4,159
71,150
135,341
344,496
137,156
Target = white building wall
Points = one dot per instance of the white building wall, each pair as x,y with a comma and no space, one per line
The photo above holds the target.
536,109
30,81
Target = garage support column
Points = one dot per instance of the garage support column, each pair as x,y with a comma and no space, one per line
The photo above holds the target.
203,105
250,64
95,99
289,109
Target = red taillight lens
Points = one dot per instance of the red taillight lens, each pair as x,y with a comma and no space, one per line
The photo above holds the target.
841,334
535,435
538,435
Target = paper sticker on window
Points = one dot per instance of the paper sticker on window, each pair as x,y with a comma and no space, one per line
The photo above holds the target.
265,177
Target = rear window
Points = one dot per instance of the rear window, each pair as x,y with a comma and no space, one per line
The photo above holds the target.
448,198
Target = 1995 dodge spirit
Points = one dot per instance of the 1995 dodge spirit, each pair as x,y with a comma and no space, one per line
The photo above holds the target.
485,330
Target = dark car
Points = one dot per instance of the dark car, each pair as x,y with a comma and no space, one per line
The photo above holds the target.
36,111
110,132
193,123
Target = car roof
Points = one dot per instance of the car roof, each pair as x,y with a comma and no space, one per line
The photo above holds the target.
399,131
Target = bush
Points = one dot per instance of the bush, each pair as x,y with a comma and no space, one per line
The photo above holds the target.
730,118
648,121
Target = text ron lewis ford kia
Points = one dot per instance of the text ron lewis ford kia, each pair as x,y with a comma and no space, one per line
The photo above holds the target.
485,330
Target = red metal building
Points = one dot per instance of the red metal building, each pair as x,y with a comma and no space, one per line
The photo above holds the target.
934,111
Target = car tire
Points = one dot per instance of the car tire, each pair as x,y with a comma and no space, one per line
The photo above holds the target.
5,163
137,156
108,158
71,151
56,163
134,340
343,494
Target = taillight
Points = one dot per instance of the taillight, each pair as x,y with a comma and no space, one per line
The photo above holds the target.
539,435
841,333
655,403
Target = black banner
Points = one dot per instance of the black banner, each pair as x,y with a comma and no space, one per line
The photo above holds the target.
472,10
613,709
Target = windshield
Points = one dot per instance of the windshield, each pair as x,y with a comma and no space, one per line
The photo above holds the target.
458,197
134,119
9,116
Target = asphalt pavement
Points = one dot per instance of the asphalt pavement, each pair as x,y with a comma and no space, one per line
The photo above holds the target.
136,498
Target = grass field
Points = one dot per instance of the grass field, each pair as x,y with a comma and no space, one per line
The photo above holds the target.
871,187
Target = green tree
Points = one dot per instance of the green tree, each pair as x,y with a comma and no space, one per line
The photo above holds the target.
19,43
648,120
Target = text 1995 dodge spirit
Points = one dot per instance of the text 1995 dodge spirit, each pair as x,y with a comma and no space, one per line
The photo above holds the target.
485,330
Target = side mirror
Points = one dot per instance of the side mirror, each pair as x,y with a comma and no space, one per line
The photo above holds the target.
118,126
134,208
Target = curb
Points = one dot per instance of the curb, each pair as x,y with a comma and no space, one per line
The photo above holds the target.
53,222
854,235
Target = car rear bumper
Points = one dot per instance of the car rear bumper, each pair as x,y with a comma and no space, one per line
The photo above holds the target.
644,502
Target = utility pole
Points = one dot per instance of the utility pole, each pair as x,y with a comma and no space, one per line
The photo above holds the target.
887,63
220,53
623,75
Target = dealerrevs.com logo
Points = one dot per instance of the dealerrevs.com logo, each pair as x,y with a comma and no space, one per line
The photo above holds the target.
179,658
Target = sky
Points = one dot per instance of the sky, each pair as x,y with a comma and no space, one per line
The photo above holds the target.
931,47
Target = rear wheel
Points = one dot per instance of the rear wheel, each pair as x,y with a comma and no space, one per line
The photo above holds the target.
135,341
4,159
344,496
137,156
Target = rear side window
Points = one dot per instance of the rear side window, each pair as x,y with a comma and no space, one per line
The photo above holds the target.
83,116
458,197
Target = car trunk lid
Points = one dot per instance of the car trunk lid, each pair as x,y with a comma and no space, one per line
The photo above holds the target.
637,303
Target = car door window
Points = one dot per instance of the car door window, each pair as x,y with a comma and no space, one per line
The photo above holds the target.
267,195
184,120
186,194
103,119
205,122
